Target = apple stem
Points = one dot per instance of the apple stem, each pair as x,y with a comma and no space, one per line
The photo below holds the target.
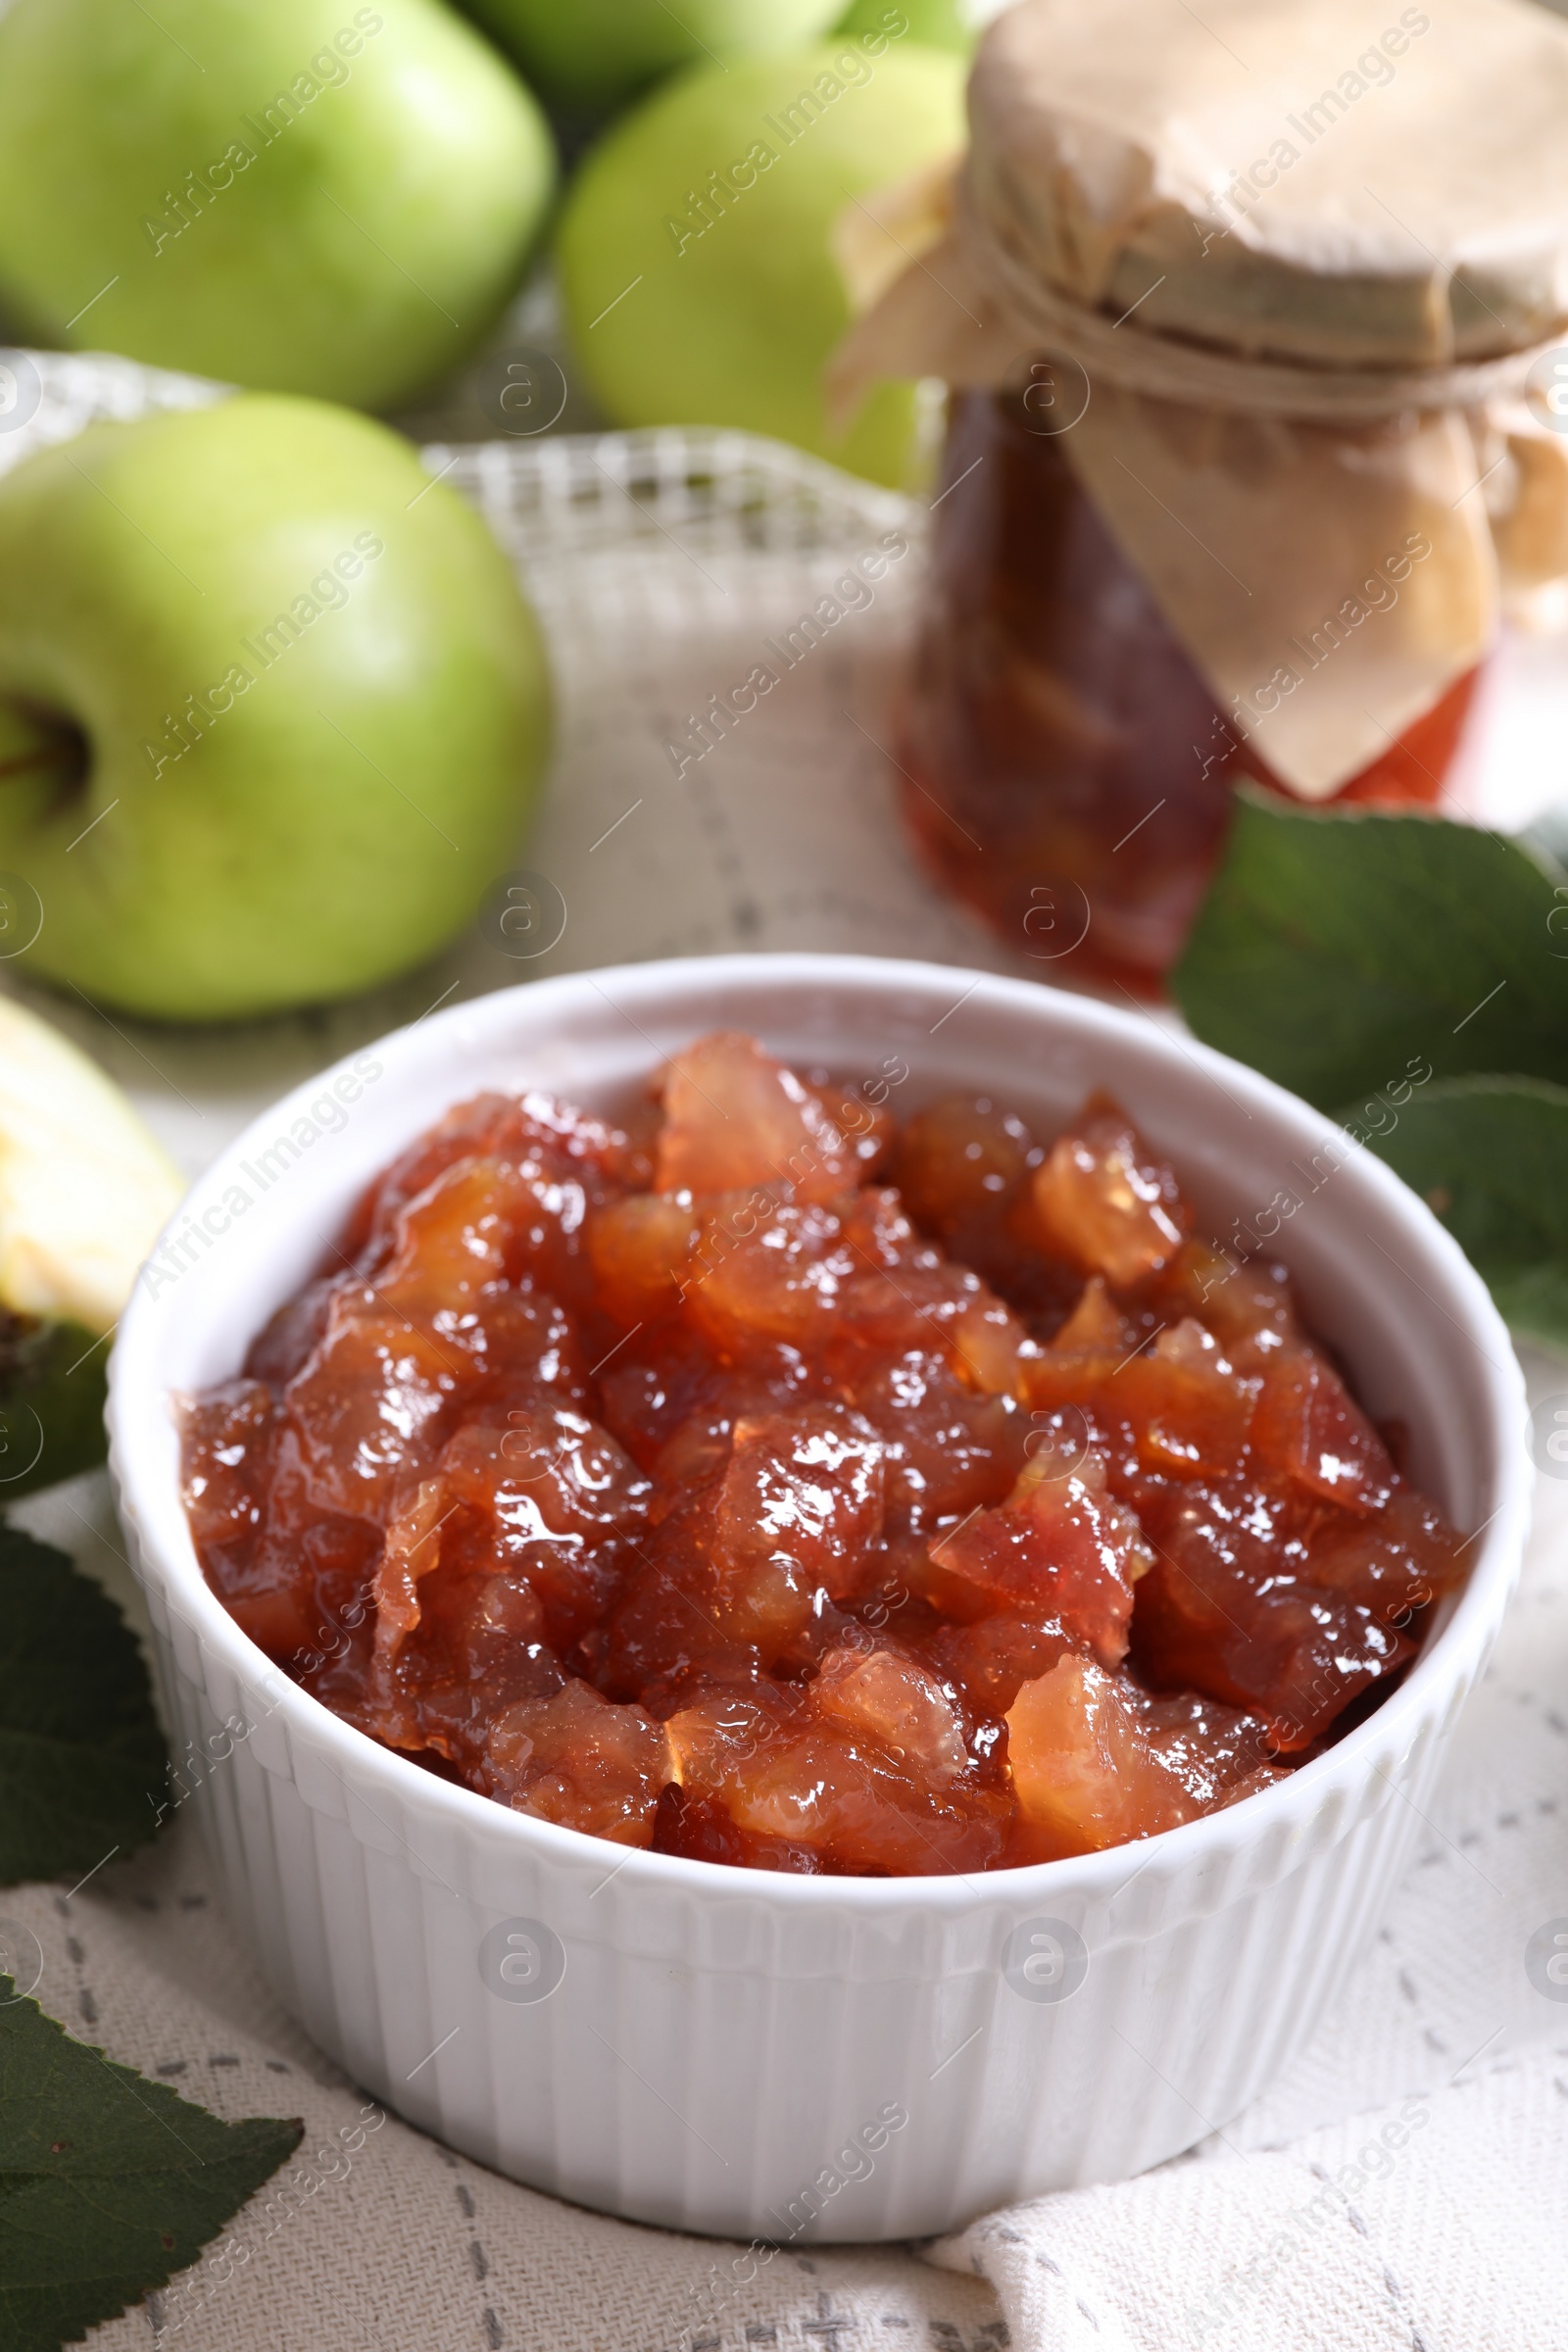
41,742
47,756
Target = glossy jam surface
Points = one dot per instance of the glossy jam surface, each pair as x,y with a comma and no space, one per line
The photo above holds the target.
1066,769
768,1483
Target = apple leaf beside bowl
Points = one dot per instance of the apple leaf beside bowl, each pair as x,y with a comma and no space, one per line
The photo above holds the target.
84,1772
1411,975
113,2180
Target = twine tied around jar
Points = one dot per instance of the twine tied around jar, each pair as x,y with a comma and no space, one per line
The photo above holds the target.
1120,352
1334,545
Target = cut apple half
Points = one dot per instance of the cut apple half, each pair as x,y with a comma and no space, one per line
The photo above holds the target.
84,1190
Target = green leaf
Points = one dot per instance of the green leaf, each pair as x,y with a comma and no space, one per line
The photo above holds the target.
81,1757
1337,947
52,1392
109,2183
1490,1156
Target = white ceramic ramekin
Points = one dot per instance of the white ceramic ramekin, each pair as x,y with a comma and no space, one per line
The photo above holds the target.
797,2058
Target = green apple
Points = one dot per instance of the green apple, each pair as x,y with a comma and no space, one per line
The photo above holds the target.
942,23
694,248
83,1192
298,195
276,707
593,53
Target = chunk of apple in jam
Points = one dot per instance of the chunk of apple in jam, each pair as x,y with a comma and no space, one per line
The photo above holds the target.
766,1270
1096,1326
1060,1548
904,1294
460,1236
282,1566
1289,1609
577,1760
1104,1201
639,1248
1085,1774
229,1439
555,1499
366,1404
947,1451
1220,1754
412,1549
735,1119
897,1705
658,1379
805,1487
1247,1304
545,1496
963,1171
1175,1408
1189,1411
745,1566
866,1124
476,1650
1313,1429
532,1133
1402,1560
962,1162
844,1776
989,1661
373,1402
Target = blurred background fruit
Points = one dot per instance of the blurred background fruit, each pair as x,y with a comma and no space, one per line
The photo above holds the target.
83,1190
273,708
590,54
942,23
305,196
694,252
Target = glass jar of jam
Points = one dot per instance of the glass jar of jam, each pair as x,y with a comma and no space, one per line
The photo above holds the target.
1242,313
1066,771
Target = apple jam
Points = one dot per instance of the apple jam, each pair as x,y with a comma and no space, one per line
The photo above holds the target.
1068,771
764,1483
